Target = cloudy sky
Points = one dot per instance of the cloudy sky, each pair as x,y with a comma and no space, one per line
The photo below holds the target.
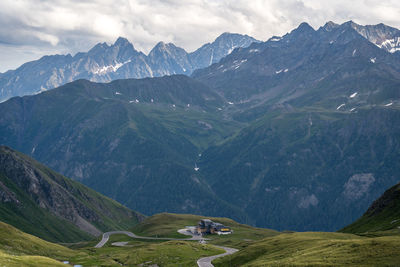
33,28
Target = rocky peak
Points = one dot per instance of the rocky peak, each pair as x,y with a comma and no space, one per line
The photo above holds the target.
330,25
121,41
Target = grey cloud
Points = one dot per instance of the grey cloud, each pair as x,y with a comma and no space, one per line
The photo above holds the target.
71,25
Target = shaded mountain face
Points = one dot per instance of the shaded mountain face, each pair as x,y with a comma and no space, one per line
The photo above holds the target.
323,108
306,67
382,215
136,141
44,203
104,63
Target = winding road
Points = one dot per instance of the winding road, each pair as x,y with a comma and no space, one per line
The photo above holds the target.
202,262
206,261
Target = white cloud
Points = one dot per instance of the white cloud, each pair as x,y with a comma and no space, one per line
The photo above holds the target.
73,25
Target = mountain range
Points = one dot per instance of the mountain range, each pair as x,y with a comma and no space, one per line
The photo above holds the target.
299,132
120,60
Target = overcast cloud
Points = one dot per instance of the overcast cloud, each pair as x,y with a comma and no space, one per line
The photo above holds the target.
32,28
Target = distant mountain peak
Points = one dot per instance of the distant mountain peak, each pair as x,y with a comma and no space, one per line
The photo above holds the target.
122,41
304,27
330,25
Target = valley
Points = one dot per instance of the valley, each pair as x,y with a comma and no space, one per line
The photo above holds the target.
292,143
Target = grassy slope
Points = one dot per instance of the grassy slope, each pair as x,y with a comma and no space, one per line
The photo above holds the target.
383,215
20,249
167,224
170,253
317,249
32,219
29,217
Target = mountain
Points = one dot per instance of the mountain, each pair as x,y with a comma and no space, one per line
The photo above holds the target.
323,107
305,67
44,203
104,63
136,141
167,59
382,215
211,53
383,36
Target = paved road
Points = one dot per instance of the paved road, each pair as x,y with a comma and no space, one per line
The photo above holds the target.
202,262
206,261
106,236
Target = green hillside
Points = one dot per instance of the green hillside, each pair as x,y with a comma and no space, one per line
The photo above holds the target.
39,201
167,224
317,249
382,215
20,249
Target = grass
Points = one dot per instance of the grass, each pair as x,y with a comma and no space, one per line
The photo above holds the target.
20,249
170,253
167,224
317,249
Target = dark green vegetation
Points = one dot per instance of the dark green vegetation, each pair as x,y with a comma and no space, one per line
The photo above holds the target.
39,201
300,133
167,224
382,217
141,154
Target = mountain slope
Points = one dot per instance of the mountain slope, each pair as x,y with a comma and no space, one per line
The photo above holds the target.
307,170
303,68
382,215
104,63
42,202
324,110
20,249
131,140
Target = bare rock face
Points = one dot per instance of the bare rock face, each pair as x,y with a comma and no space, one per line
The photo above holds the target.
7,195
358,185
47,193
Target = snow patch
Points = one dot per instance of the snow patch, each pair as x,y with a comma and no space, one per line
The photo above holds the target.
353,95
392,45
275,39
254,50
110,68
373,60
351,110
230,103
354,52
118,93
342,105
388,105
